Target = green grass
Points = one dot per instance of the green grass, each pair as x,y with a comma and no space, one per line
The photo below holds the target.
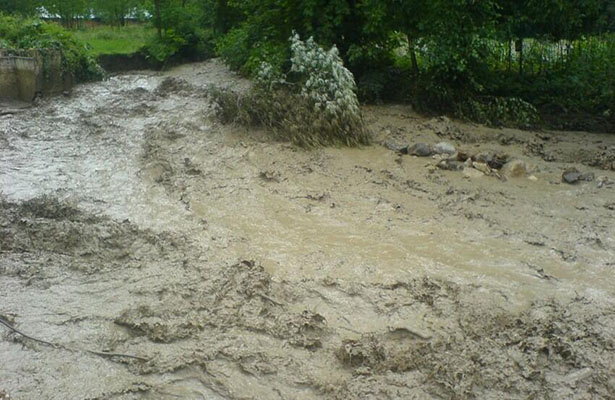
106,39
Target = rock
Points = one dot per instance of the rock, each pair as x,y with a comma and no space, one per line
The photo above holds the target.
484,157
498,161
482,167
515,169
420,150
532,178
572,176
494,161
399,148
270,176
462,156
450,165
604,181
588,176
445,148
472,173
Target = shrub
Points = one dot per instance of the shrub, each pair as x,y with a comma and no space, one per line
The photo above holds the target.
181,33
234,47
317,107
499,111
18,33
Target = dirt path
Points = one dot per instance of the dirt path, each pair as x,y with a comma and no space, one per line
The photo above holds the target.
132,222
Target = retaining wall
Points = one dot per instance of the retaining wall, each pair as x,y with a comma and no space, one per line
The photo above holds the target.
28,73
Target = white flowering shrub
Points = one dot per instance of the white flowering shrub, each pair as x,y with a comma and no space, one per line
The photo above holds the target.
327,83
315,105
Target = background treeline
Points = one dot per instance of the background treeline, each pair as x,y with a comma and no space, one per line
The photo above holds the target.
494,61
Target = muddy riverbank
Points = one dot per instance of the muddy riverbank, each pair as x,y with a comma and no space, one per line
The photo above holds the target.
133,223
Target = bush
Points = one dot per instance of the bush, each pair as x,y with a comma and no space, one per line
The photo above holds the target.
499,111
318,107
22,34
234,47
182,34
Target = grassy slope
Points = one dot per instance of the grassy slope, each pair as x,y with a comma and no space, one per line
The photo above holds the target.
113,40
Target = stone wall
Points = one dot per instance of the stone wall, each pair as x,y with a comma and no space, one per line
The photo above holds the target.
25,74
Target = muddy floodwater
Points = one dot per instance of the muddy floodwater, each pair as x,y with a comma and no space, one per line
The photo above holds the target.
168,256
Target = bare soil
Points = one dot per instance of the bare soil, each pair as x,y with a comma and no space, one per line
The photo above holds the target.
232,266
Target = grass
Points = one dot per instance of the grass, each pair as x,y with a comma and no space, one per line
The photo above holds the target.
107,39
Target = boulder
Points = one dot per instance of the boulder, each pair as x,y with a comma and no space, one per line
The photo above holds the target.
495,161
573,175
444,148
399,148
420,150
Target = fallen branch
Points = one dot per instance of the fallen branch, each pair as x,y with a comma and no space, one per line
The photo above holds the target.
60,346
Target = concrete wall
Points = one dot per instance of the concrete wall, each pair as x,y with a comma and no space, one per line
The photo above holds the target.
24,74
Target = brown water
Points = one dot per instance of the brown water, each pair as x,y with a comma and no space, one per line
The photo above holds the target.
129,212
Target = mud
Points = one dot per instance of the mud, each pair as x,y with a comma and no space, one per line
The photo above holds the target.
132,222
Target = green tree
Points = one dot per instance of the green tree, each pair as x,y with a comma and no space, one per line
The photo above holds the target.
70,11
24,7
114,11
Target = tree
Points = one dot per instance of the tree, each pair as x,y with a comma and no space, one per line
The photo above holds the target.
114,11
70,11
24,7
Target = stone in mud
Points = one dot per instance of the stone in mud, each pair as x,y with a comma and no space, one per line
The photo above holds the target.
472,173
572,176
494,161
484,157
498,161
482,167
444,148
450,165
604,181
515,169
420,150
398,148
462,156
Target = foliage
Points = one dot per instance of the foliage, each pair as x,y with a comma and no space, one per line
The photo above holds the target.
23,7
499,111
69,11
325,84
181,33
114,12
441,55
319,107
19,33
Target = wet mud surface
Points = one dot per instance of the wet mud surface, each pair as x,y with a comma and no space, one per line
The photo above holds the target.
132,223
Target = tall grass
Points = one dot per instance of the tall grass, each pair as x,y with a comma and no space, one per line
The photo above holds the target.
107,39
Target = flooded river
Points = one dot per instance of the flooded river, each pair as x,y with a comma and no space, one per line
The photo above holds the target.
170,256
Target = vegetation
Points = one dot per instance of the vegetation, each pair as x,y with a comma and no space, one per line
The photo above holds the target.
495,61
17,33
107,39
498,61
314,105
